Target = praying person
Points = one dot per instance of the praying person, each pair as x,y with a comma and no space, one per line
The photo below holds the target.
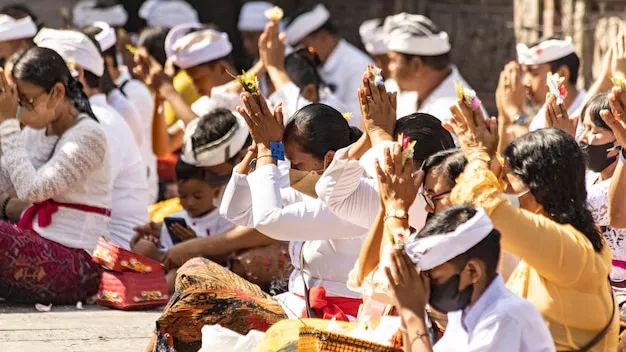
616,119
374,39
59,163
87,12
420,63
342,63
128,172
16,32
168,13
251,24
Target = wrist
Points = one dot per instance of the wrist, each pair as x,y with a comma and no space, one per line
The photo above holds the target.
378,135
274,69
165,89
512,111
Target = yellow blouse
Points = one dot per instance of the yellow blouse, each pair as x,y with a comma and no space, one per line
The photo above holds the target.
559,272
184,86
161,210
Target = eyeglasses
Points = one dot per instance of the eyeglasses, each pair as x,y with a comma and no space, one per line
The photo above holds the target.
30,103
432,198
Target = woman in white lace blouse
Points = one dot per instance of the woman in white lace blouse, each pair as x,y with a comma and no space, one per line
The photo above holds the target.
598,144
59,164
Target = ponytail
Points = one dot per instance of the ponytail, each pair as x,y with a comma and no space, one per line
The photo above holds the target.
79,98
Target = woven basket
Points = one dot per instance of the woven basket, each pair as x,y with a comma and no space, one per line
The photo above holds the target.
315,340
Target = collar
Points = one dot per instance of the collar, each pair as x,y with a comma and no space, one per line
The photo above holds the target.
471,316
98,100
335,59
446,87
124,75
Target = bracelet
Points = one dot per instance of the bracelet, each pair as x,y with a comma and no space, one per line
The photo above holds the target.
252,165
264,156
622,157
5,203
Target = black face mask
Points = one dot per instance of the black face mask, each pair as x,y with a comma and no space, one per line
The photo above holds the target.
446,297
596,156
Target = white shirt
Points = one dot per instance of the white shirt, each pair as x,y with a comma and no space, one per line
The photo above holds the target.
128,174
289,94
354,198
498,321
72,169
127,110
139,94
344,69
210,224
539,121
220,98
332,245
437,103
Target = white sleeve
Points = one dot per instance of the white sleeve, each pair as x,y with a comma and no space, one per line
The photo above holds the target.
287,215
236,205
131,115
496,333
289,94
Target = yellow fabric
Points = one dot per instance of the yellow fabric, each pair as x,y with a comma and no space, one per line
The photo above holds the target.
161,210
559,272
283,336
184,86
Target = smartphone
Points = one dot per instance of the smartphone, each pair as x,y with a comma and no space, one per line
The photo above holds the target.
169,222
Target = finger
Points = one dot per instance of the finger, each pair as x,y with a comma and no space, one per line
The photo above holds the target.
467,115
549,114
366,84
397,159
253,109
382,177
418,177
620,46
388,161
407,266
616,108
393,97
265,110
448,127
278,113
375,95
244,113
397,268
459,118
391,279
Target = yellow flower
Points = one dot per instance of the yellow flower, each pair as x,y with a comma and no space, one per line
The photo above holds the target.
274,14
248,81
619,80
347,115
131,49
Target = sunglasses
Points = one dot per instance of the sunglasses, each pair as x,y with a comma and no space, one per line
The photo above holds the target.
432,198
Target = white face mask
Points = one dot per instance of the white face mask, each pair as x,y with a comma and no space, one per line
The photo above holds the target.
514,198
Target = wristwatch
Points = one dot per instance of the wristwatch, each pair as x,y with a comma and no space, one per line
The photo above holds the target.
520,119
400,214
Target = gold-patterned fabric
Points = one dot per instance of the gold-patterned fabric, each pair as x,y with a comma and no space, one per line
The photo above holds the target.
317,340
208,294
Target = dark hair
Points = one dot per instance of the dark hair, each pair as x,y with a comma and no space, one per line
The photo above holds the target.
153,39
318,128
438,62
596,104
487,250
186,172
450,163
105,83
571,61
92,32
45,68
213,126
19,11
552,165
301,66
428,133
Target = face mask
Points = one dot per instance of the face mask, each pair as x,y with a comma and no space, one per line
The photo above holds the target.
596,156
512,198
446,297
304,181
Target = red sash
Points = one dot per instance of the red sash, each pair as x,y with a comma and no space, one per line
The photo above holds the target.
332,307
619,263
44,211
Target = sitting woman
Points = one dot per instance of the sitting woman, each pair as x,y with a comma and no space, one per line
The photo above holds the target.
58,163
565,260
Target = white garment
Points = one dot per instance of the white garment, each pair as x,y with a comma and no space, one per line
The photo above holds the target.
344,69
139,94
354,198
539,121
598,203
128,174
72,169
498,321
210,224
127,110
438,102
220,98
289,94
332,245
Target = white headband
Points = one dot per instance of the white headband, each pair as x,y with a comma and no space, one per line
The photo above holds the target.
374,37
252,16
107,37
544,52
72,46
12,29
190,49
306,24
432,251
168,13
85,13
216,152
407,34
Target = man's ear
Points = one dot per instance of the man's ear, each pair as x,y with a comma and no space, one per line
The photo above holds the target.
564,71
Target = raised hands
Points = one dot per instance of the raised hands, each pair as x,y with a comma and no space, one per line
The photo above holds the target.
397,183
472,130
272,47
378,109
265,126
8,98
510,94
149,70
616,118
557,116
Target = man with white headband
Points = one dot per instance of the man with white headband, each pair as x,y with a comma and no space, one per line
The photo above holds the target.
168,13
135,91
457,255
343,64
252,21
419,61
128,172
87,12
551,55
374,40
17,31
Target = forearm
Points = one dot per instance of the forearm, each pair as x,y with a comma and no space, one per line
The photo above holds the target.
416,337
372,246
238,238
617,197
359,148
602,84
175,135
179,105
279,77
160,137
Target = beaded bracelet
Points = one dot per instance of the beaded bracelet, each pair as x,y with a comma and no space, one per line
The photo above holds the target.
5,203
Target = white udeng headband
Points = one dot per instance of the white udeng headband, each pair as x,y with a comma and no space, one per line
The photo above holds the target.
544,52
107,37
428,45
217,152
306,24
432,251
12,29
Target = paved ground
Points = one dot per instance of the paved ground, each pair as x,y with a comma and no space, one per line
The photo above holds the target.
67,329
